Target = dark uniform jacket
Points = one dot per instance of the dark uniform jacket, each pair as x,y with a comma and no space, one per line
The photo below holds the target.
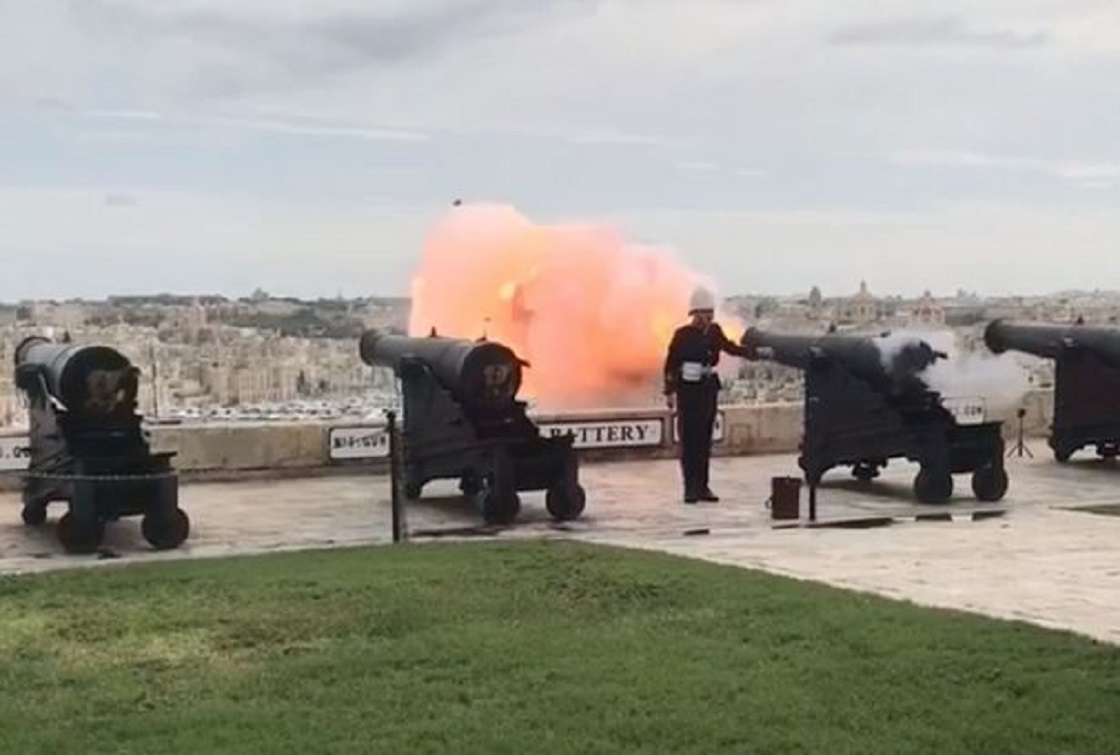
690,346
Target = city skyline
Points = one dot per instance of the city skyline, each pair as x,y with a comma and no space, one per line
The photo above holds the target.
199,145
209,359
803,293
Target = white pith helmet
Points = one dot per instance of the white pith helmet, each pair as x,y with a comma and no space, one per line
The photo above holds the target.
702,300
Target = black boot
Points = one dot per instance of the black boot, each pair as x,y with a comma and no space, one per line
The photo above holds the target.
687,477
704,492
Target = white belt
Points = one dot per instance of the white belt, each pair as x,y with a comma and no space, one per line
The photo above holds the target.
694,372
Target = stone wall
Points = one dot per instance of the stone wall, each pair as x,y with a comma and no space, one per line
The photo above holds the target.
308,448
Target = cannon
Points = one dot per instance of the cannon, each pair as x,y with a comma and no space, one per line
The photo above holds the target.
866,403
1086,380
462,420
87,447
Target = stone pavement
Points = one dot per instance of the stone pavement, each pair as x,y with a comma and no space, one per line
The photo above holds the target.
1040,563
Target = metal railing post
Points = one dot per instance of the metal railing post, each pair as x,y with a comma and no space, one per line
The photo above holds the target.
397,502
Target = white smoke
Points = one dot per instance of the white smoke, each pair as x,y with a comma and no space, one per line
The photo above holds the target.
999,381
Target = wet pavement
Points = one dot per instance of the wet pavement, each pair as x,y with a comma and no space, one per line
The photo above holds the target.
1040,562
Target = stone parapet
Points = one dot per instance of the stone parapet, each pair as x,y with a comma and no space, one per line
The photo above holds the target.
278,449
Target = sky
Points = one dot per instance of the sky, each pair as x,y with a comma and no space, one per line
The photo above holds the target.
307,146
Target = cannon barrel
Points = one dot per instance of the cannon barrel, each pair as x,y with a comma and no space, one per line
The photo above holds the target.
1048,340
891,367
476,373
91,380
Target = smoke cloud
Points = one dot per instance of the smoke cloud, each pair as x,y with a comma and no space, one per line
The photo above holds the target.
591,312
999,381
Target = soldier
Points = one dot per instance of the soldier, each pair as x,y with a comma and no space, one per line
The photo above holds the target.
692,388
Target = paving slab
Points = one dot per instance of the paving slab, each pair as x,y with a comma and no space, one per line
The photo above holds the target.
1041,562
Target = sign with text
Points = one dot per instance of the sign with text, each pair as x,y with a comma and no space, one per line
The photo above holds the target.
609,433
968,411
717,429
358,443
14,453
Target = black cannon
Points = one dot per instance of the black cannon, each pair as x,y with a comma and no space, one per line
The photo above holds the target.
462,420
1086,380
866,403
88,448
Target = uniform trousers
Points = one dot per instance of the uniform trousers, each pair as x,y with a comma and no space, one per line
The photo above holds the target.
696,416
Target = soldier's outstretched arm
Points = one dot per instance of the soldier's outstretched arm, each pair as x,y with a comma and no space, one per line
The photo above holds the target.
726,345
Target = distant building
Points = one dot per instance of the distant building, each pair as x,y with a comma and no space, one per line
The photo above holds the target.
862,308
927,312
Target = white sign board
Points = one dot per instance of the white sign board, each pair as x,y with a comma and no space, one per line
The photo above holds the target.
717,428
14,453
358,443
609,433
968,411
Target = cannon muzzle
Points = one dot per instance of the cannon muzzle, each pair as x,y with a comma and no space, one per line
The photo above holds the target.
88,381
1049,341
476,373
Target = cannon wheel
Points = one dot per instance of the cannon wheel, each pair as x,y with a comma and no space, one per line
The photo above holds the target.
1062,454
34,515
565,502
500,505
990,483
78,537
933,487
166,532
469,485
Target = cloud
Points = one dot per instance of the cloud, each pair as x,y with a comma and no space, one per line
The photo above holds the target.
297,127
572,108
134,240
121,200
698,165
263,47
705,166
115,135
203,241
311,129
935,31
1088,171
124,115
992,248
619,139
1071,170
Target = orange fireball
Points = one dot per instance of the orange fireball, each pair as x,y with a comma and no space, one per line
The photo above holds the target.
591,313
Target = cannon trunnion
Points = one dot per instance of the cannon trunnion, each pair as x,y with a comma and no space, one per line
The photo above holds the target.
88,447
462,420
1086,380
865,403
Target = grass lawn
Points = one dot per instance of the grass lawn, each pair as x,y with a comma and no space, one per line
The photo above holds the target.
523,648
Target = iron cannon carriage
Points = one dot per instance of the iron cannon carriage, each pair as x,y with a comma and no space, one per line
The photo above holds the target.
462,420
865,402
87,447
